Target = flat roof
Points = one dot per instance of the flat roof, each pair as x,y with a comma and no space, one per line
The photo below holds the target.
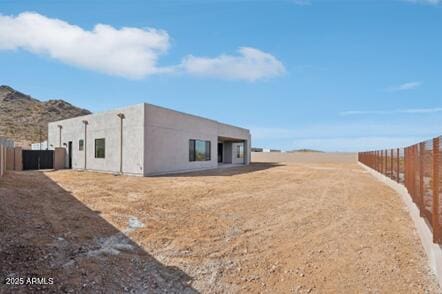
149,104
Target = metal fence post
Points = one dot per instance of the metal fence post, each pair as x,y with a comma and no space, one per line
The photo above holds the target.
421,177
436,160
398,165
391,164
407,168
414,169
412,174
383,162
376,155
416,172
378,161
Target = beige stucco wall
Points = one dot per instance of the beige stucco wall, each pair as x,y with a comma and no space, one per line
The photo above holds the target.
10,159
14,158
18,159
59,158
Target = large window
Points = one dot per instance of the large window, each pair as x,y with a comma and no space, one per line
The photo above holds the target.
199,150
81,145
100,148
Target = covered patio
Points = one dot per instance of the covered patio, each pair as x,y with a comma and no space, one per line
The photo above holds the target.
231,151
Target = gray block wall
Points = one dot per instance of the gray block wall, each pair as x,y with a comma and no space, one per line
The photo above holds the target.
104,125
155,140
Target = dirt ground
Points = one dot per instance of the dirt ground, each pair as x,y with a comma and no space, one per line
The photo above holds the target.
312,223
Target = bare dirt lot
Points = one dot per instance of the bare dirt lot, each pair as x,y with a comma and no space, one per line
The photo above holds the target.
308,224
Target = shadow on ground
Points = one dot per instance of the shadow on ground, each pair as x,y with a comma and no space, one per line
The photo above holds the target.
227,171
50,234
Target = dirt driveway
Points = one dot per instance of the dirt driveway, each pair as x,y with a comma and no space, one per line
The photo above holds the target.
302,226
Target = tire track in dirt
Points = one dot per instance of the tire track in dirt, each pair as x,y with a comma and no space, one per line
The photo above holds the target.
300,227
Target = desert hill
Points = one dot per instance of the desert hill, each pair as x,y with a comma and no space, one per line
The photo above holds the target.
23,118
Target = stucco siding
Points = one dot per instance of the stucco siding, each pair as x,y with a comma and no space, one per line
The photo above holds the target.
227,153
167,135
235,158
225,130
104,125
155,140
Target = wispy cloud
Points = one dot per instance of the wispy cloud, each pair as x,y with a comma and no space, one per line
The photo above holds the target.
429,2
302,2
128,52
394,111
345,136
251,64
404,87
345,129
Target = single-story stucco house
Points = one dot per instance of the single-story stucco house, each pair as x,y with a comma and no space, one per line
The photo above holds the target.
147,140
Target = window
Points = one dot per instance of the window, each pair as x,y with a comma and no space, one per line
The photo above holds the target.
80,145
100,148
240,151
199,150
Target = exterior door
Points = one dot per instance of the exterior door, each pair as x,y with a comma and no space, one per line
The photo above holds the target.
220,152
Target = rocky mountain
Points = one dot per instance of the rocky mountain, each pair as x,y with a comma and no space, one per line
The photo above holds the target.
24,119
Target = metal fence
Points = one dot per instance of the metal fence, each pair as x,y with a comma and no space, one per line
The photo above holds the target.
418,168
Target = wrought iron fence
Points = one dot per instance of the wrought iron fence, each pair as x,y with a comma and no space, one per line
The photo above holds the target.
418,168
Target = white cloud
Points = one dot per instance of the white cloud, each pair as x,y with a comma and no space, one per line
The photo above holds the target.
129,52
349,130
251,64
395,111
404,87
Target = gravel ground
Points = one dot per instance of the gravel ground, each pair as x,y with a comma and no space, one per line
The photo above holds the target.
309,224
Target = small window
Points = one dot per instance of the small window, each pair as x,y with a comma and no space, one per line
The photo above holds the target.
199,150
81,145
240,151
100,148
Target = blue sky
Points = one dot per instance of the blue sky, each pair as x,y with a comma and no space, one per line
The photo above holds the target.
328,75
